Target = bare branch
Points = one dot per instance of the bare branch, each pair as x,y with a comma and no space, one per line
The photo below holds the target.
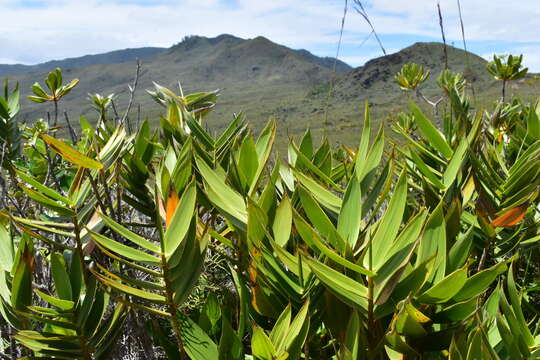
132,89
71,130
443,36
362,11
330,91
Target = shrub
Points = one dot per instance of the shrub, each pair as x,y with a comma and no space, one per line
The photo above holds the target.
426,249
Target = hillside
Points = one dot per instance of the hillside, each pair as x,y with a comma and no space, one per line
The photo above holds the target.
255,75
113,57
263,79
374,82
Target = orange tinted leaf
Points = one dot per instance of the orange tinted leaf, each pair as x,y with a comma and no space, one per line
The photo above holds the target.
172,204
511,217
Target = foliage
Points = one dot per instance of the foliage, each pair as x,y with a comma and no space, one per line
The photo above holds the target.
422,246
411,76
506,68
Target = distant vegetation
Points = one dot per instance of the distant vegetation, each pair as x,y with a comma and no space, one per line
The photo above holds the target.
122,241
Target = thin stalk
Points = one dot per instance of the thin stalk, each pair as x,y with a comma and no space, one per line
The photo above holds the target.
443,35
119,192
332,82
484,256
55,112
371,321
465,46
78,242
72,133
107,191
171,307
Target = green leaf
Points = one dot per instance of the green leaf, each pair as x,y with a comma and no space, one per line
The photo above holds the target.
424,169
475,348
303,160
479,282
70,154
21,287
124,250
279,332
43,189
39,92
283,222
248,163
345,288
319,219
374,157
197,343
445,289
433,242
295,329
6,249
131,236
61,277
460,250
221,194
409,321
324,196
389,225
515,301
47,202
455,312
146,295
312,239
264,146
179,226
363,147
59,303
430,132
261,345
455,163
350,216
352,345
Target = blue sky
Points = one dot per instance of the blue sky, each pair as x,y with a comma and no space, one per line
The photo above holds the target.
33,31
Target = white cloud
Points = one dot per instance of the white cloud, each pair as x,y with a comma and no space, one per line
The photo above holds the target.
66,28
8,61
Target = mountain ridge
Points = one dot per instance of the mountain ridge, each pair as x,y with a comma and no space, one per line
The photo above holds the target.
265,79
110,57
131,54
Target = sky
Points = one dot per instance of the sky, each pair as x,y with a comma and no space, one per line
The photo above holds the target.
34,31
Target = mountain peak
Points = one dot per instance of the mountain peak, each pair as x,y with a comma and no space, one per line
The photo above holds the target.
431,55
193,41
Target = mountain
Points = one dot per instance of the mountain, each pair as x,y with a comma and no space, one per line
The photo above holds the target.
113,57
338,112
263,79
256,75
378,74
328,62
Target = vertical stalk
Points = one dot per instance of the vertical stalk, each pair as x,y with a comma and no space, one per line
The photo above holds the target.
371,322
55,100
87,352
482,261
78,242
171,307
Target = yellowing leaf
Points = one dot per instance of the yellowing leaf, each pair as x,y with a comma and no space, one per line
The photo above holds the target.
70,154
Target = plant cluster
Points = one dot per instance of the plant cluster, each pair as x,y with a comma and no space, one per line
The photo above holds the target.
207,246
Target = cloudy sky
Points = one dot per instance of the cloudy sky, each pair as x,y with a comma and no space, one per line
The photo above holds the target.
33,31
